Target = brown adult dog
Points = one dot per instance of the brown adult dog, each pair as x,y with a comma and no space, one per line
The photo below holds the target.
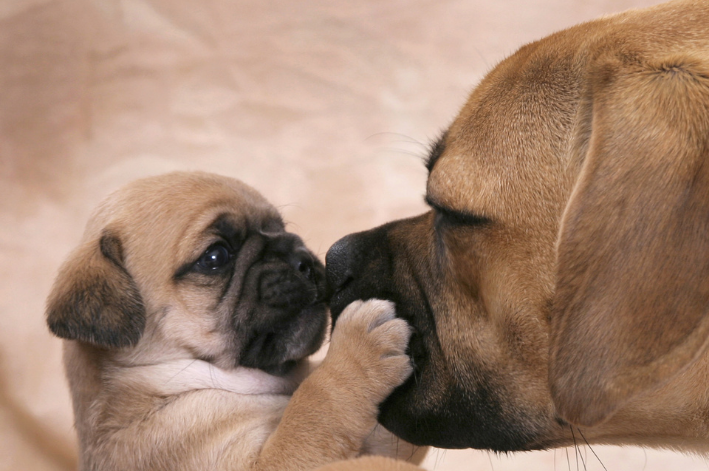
559,285
186,308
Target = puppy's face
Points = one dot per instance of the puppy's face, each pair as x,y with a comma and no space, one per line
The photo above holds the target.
192,265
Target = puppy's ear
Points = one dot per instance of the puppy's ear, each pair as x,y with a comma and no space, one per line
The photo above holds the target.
94,298
630,308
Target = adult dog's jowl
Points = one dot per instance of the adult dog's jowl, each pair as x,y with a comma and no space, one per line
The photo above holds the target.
559,285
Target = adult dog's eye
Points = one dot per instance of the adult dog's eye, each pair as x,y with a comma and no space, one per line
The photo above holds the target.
215,257
456,218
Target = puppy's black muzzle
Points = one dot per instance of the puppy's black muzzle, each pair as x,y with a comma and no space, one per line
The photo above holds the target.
283,306
285,287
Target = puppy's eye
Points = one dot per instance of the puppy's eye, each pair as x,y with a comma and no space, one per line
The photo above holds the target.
215,257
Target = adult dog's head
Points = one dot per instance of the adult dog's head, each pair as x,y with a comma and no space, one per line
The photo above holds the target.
191,265
562,274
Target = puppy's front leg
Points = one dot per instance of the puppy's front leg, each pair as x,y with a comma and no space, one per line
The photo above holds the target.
335,408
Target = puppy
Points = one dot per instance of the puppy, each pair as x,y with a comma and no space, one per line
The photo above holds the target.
188,313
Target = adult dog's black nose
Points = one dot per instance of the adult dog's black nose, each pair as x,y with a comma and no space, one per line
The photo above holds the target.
359,266
340,263
344,264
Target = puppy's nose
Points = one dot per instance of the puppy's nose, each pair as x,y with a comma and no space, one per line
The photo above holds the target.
302,261
339,261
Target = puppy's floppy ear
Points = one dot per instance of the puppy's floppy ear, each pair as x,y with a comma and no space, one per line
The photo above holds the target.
630,308
94,299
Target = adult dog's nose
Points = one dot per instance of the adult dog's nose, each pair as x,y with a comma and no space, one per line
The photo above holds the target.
339,262
357,268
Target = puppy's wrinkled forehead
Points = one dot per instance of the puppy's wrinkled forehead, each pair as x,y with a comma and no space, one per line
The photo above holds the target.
165,219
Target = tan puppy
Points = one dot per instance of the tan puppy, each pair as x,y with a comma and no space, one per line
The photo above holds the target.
188,311
559,285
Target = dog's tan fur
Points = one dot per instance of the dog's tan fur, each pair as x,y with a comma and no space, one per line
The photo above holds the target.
580,296
150,356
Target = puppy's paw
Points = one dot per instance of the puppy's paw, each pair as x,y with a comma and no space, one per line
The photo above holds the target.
369,341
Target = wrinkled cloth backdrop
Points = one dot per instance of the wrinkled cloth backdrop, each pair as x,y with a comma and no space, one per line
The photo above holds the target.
326,107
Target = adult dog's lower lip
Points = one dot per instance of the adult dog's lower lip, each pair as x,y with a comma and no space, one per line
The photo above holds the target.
340,296
416,350
319,303
339,300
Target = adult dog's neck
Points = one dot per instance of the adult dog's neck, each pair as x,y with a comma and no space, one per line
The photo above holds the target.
675,415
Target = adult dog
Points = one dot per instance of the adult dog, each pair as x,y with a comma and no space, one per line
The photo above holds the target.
559,285
188,310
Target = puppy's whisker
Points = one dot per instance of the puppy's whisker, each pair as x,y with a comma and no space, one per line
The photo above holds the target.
372,432
288,223
312,257
181,371
212,377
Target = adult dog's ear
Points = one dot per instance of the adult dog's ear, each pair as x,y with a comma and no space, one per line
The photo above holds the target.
630,308
94,299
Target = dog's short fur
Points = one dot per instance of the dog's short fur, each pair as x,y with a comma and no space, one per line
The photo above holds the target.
189,312
559,285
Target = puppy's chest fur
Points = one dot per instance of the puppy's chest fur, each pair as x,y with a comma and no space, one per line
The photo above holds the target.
143,419
187,431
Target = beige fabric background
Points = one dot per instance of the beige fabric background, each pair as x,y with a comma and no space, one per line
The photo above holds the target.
325,106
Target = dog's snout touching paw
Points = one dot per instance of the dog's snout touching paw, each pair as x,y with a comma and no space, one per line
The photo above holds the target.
370,332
